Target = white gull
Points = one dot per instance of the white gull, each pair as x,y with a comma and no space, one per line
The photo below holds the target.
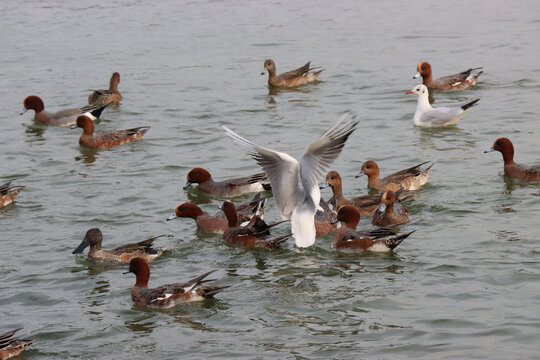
428,116
299,204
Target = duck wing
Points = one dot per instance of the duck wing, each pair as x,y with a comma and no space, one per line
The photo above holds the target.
251,179
144,246
293,74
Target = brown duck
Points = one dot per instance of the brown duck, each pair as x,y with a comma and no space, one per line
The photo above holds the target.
301,76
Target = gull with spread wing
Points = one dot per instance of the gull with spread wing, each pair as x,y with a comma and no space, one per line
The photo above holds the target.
299,204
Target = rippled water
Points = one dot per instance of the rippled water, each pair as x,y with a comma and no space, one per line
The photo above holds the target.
465,285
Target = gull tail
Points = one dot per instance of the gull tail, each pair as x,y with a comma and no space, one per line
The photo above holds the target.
469,105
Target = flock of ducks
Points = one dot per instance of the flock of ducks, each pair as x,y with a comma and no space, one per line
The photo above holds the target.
295,186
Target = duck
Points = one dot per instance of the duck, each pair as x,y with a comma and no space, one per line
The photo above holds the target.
520,172
65,117
346,238
428,116
301,76
169,295
254,235
108,96
459,81
108,139
218,223
227,188
412,178
366,204
8,193
295,203
325,218
121,254
11,346
390,212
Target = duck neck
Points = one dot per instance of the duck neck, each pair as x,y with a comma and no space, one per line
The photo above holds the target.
337,191
142,277
88,129
113,84
196,213
508,156
232,216
373,179
352,223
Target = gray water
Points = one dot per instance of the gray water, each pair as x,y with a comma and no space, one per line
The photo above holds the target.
464,285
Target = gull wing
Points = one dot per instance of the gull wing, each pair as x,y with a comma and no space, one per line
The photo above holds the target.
322,153
281,169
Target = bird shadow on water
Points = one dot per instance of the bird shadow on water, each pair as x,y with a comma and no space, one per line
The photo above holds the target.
35,132
188,315
88,156
431,137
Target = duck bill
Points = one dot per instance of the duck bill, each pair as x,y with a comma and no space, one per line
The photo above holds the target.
417,75
489,150
126,272
73,126
173,216
22,112
381,208
360,174
261,74
324,185
81,246
188,184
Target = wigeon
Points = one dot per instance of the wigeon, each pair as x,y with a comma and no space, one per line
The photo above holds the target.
408,179
254,235
301,76
11,346
121,254
513,170
169,295
227,188
390,212
347,238
111,95
8,193
325,219
108,139
295,203
428,116
458,81
218,223
64,117
366,204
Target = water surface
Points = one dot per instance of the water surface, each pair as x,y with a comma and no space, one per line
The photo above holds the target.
465,285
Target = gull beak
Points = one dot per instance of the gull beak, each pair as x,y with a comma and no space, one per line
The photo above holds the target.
409,92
